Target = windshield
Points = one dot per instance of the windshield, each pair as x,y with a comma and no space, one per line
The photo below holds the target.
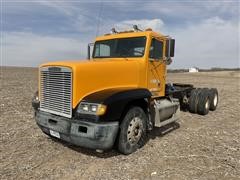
122,47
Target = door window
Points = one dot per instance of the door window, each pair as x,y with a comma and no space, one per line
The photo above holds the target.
156,49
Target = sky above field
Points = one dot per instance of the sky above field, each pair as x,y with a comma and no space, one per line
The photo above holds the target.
34,32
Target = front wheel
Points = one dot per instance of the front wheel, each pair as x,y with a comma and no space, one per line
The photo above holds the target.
132,130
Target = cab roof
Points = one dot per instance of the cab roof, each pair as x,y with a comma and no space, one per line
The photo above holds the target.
126,34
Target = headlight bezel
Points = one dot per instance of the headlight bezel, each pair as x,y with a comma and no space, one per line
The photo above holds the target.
91,108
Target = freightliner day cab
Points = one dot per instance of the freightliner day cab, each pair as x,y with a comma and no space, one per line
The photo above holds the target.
116,96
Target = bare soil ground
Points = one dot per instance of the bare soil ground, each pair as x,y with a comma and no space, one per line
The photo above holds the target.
204,147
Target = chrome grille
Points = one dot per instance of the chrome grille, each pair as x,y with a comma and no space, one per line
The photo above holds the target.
56,90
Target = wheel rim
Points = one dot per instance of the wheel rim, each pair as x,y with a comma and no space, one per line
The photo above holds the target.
135,130
215,100
207,105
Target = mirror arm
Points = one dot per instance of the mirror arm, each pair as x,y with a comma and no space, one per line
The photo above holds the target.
167,60
88,55
89,50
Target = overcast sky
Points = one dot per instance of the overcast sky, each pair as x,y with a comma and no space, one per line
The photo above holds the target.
34,32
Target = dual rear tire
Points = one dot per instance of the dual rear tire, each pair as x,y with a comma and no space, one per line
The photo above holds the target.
203,100
213,95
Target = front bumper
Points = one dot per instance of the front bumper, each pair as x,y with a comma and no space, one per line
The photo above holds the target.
78,132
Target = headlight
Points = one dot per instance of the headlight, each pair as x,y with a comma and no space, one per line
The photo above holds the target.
36,98
91,108
35,101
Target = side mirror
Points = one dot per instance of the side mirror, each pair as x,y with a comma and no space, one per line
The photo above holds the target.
170,48
90,50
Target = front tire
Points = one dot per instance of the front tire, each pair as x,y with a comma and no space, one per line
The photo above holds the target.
132,134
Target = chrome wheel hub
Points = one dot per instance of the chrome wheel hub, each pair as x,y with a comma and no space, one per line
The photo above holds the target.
135,130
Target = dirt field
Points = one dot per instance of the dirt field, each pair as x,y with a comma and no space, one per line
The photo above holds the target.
204,147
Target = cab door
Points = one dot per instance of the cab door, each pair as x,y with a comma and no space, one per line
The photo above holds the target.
156,68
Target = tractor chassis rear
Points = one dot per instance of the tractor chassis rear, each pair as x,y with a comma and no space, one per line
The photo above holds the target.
182,92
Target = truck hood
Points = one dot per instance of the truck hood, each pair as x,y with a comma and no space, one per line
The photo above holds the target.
96,75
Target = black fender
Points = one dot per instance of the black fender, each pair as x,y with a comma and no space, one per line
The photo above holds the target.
117,100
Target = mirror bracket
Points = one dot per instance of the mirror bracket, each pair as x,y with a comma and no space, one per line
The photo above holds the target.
89,50
167,60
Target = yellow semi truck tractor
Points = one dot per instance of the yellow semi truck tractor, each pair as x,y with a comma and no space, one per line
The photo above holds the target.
116,96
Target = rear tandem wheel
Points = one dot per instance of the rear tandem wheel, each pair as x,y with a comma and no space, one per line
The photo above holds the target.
203,102
213,95
193,100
